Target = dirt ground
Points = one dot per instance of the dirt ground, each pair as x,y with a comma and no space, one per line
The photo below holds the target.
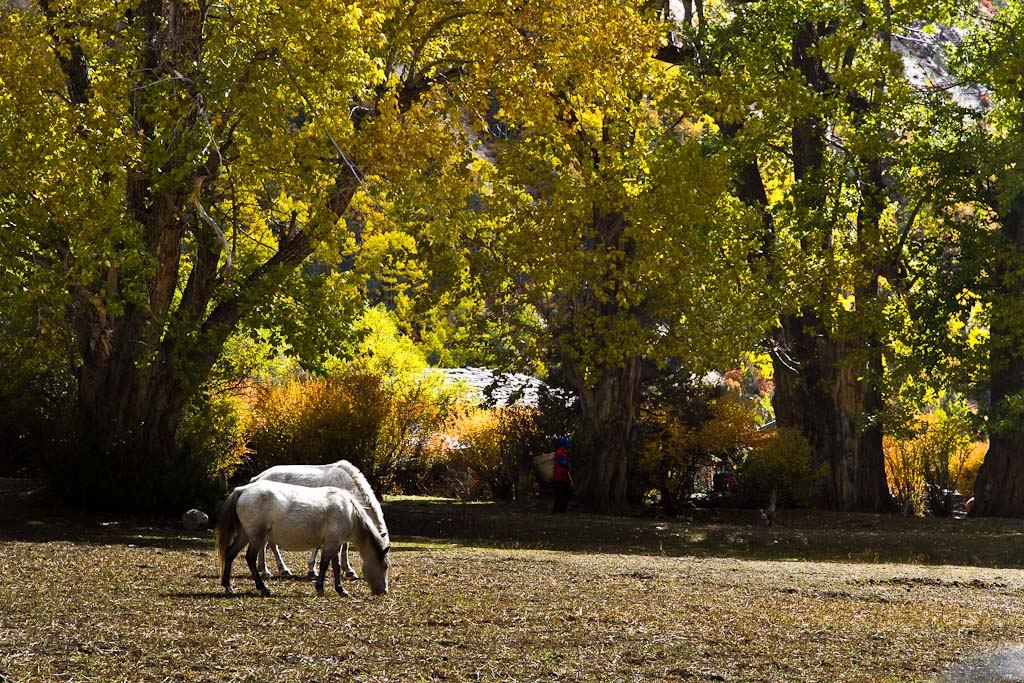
487,592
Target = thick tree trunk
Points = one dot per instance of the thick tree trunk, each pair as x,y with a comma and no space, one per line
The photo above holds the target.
857,480
128,392
142,361
831,396
607,435
999,490
826,382
609,391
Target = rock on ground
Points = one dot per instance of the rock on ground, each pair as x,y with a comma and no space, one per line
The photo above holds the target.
194,519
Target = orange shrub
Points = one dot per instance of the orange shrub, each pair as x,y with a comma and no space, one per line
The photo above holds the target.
904,475
940,453
972,463
378,424
487,452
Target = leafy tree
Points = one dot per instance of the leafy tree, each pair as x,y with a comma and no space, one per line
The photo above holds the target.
168,167
821,124
611,221
986,157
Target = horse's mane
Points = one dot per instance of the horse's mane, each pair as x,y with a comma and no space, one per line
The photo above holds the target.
369,530
364,494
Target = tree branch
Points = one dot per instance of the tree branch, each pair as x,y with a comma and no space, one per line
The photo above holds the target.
70,55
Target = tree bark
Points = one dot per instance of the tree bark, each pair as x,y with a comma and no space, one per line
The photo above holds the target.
826,380
999,489
831,395
128,406
607,435
609,389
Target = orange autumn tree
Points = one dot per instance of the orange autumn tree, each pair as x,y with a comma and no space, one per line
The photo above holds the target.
687,436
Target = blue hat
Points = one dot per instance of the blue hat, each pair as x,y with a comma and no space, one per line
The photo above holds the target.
563,441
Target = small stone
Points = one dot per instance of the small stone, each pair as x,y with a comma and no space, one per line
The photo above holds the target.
194,520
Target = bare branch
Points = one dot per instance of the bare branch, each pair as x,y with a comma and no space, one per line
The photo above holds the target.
197,190
319,120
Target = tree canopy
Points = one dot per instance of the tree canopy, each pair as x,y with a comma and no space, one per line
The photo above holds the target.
172,164
608,193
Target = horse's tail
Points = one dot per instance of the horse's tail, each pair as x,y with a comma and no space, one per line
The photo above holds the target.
228,526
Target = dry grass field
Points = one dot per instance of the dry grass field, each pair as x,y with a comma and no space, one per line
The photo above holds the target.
500,593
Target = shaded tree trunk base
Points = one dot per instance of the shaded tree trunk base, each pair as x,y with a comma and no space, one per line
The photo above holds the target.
829,397
999,490
606,438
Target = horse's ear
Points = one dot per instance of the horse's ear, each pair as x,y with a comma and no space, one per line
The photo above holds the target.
384,553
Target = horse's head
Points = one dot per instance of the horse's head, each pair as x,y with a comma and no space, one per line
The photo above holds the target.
376,572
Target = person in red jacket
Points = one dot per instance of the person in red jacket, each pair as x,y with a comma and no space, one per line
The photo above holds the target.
562,481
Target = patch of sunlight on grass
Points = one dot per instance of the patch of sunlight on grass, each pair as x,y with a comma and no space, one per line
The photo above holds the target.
389,498
422,546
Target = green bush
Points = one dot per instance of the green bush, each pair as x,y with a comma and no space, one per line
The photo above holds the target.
42,433
37,423
214,433
782,463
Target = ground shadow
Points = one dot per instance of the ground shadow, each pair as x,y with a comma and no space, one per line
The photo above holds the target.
799,534
422,525
412,544
37,524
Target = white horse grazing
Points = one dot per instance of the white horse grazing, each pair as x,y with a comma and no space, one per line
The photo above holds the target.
342,474
299,518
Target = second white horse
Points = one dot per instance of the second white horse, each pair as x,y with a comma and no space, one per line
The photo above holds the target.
341,474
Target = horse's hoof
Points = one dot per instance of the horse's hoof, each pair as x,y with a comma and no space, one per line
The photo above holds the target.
266,592
228,590
311,574
351,574
320,591
342,592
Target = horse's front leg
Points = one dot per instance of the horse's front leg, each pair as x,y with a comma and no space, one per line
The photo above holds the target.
251,557
311,565
349,572
337,574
